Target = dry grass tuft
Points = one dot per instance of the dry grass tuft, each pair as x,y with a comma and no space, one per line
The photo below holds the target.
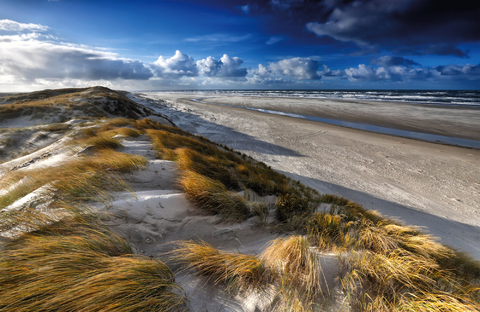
82,179
388,282
213,197
77,264
329,232
58,127
208,166
102,141
239,272
293,263
128,132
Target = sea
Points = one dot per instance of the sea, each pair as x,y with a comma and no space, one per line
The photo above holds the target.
470,98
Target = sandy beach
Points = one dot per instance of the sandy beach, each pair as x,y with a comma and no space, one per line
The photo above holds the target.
433,186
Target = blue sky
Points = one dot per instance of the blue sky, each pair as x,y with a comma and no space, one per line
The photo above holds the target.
209,44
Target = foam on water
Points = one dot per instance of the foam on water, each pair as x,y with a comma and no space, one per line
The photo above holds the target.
435,97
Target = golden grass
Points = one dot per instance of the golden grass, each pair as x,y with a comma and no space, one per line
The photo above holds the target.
239,272
387,282
439,302
297,268
208,166
288,264
128,132
57,127
101,141
77,264
86,178
213,197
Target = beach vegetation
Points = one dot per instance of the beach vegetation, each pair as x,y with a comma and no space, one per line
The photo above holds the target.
238,272
78,264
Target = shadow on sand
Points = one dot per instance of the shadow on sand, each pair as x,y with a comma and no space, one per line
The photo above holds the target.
191,120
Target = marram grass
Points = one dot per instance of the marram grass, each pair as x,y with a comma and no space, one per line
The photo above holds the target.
212,196
238,272
77,264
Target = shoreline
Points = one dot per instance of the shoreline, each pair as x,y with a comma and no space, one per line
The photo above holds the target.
430,185
461,123
426,137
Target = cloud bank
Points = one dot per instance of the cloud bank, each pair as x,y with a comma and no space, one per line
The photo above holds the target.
32,57
9,25
297,67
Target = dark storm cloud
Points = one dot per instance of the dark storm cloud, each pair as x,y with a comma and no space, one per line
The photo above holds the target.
421,26
389,60
444,49
460,70
410,27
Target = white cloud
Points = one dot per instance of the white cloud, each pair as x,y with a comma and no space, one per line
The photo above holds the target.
9,25
27,58
274,39
177,66
262,71
391,73
225,67
297,67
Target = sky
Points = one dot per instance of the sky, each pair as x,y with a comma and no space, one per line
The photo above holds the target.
249,44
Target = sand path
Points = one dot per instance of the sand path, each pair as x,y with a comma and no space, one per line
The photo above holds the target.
423,184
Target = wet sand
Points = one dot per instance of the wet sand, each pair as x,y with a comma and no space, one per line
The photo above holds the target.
424,184
434,119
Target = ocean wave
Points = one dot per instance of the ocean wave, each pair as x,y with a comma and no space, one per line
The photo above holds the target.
461,98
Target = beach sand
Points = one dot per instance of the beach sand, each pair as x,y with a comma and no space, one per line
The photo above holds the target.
424,184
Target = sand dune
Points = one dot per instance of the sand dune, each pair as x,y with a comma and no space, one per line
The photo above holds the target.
424,184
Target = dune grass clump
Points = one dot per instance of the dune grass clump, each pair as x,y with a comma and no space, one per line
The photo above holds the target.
297,269
235,172
288,265
399,281
81,179
213,197
239,272
77,264
58,127
102,141
208,166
